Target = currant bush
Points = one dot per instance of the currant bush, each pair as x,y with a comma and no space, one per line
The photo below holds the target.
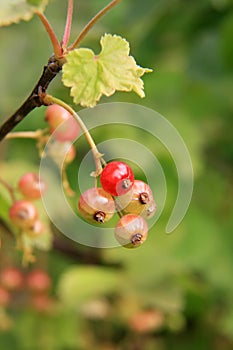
98,204
117,178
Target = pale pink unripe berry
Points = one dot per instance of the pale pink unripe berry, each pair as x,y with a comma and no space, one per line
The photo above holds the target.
62,124
23,214
31,186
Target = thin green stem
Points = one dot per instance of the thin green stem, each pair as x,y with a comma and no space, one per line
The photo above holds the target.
90,24
66,35
53,38
9,188
48,99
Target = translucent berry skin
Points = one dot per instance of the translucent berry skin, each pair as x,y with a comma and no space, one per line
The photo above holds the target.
11,278
23,214
139,200
96,205
61,152
38,281
55,116
131,231
31,186
117,178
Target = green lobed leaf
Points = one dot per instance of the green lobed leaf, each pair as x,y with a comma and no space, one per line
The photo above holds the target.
90,76
13,11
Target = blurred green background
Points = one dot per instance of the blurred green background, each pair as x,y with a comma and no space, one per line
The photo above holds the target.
176,291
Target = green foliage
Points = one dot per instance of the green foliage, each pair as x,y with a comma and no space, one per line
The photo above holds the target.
80,284
90,76
17,10
186,275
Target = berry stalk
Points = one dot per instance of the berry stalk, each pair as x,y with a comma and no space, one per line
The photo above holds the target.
25,134
48,100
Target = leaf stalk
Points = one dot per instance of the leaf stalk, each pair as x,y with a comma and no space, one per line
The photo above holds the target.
90,24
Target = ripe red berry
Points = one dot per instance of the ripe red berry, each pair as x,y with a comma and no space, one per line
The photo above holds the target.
139,200
23,214
31,186
38,281
96,205
131,231
117,178
11,278
55,116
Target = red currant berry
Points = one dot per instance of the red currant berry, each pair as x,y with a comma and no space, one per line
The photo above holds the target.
96,205
131,231
11,278
55,116
117,178
23,214
139,200
147,321
38,281
42,303
31,186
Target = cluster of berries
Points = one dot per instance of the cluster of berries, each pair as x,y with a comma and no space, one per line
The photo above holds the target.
65,130
132,199
23,213
35,286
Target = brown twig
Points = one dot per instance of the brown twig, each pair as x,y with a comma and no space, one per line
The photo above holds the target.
50,71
